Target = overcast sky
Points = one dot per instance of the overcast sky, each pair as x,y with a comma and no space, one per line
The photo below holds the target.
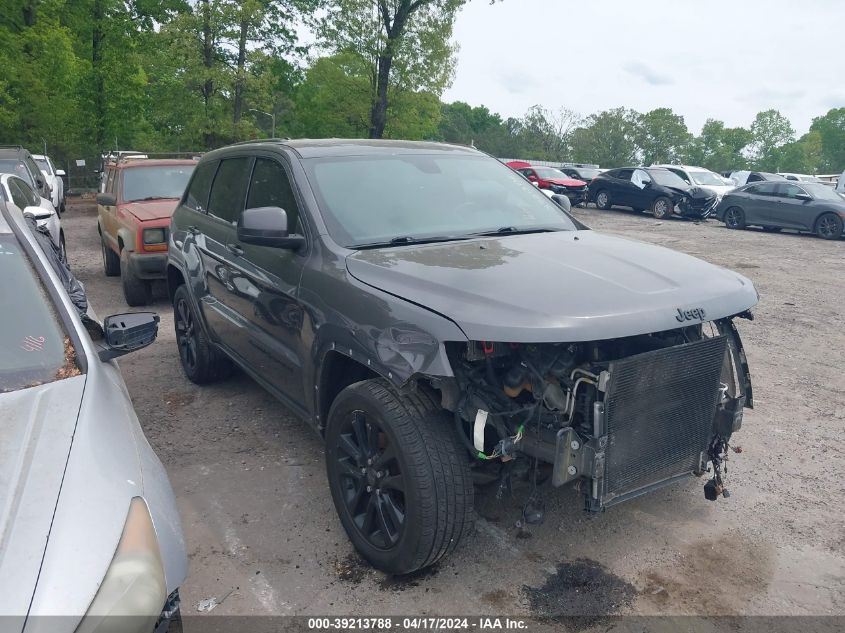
704,59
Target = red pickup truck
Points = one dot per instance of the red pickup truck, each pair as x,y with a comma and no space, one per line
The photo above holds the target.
133,220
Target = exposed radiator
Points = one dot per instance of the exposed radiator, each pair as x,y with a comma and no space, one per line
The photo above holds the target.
658,414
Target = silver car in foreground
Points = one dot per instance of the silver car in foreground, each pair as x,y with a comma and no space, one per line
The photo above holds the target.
89,529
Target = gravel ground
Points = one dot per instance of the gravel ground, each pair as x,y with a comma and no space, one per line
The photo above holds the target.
259,521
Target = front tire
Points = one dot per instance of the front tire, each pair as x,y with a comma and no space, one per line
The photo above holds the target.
138,292
661,208
111,262
829,226
735,218
201,363
603,200
398,475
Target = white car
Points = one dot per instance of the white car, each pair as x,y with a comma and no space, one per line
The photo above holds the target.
54,179
800,177
701,177
20,197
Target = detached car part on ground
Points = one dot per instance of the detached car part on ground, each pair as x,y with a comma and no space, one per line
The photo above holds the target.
654,189
91,535
471,329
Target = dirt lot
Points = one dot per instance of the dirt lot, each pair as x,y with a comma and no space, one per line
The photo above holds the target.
259,520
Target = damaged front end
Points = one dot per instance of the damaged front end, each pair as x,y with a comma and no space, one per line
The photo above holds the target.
697,203
620,417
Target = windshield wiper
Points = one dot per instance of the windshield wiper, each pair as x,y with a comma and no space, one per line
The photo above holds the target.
407,239
512,230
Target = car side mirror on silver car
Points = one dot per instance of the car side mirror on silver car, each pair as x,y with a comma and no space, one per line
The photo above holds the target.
124,333
268,226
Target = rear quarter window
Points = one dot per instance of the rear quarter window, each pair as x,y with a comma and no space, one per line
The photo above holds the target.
196,195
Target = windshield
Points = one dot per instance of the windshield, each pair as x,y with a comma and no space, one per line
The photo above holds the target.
548,174
587,174
375,199
16,167
32,343
667,178
822,192
706,178
43,165
155,181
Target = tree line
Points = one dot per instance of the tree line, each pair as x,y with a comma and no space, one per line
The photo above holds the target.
83,76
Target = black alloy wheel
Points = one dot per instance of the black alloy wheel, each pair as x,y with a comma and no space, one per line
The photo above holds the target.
186,337
735,218
829,226
371,480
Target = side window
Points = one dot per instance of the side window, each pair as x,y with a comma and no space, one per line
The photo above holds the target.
196,197
110,172
790,191
624,174
270,187
18,196
36,171
228,193
753,189
754,178
766,189
682,175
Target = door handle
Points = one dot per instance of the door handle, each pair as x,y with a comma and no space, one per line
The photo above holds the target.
235,249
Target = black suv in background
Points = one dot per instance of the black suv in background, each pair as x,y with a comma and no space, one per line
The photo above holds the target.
17,160
432,314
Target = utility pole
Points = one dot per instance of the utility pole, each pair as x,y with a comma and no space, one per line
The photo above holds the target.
272,116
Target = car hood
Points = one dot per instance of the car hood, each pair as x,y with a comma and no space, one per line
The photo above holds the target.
152,209
564,286
566,182
36,432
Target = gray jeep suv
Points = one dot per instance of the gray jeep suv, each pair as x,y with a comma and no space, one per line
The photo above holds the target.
438,320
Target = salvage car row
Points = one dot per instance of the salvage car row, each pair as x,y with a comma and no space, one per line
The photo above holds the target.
770,201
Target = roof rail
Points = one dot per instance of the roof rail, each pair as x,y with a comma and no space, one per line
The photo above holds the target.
124,156
262,140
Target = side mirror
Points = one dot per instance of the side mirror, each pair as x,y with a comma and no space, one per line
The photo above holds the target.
803,196
646,184
60,173
126,333
39,213
106,199
267,226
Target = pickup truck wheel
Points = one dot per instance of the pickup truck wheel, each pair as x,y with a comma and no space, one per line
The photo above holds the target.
603,200
111,262
201,363
138,292
829,226
735,218
661,208
399,476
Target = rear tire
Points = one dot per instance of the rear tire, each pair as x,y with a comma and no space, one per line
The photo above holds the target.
829,226
403,448
603,200
138,292
661,208
111,262
201,363
735,218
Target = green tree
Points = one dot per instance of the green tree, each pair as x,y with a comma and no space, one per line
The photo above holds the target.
803,156
607,138
662,137
719,148
770,131
404,43
831,130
